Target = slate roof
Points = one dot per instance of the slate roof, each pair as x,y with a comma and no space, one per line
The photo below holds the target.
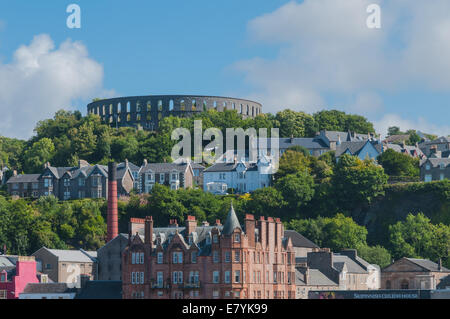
306,142
69,255
352,266
24,178
333,136
315,278
406,148
231,223
101,289
230,167
436,162
298,240
355,147
427,264
47,288
164,167
396,138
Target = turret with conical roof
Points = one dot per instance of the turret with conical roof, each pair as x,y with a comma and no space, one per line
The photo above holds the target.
231,223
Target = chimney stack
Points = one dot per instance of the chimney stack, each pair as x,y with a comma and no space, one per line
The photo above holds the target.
148,240
191,224
112,218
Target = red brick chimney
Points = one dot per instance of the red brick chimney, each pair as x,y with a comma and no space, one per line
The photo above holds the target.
250,229
112,218
149,231
191,224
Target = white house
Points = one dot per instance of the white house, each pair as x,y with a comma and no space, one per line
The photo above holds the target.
243,177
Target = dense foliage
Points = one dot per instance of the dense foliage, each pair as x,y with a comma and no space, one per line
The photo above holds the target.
340,205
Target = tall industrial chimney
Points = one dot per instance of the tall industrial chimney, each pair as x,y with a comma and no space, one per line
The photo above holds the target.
112,218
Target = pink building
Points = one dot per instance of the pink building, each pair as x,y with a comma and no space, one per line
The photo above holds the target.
15,273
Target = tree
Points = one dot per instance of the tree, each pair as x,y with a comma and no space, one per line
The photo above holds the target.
292,162
296,124
417,237
377,255
357,181
41,152
394,130
398,164
334,120
297,190
266,201
164,205
336,233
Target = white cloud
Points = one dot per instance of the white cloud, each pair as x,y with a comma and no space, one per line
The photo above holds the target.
326,48
389,120
42,79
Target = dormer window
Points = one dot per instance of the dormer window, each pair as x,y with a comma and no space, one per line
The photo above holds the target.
161,178
150,176
66,182
237,238
215,239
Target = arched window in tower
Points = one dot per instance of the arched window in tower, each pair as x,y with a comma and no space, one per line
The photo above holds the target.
149,117
110,109
215,105
241,110
138,117
149,106
253,111
171,105
159,116
138,106
118,118
128,107
182,106
119,108
103,110
204,106
110,119
224,105
248,109
160,105
194,105
234,106
128,117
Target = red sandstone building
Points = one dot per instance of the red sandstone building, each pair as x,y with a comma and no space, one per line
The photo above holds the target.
209,262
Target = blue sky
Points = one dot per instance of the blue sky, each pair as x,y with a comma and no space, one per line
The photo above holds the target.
302,55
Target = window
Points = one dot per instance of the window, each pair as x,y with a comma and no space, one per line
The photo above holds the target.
237,256
215,256
274,277
47,182
194,257
161,178
3,294
133,258
227,256
141,258
404,284
237,276
227,277
133,278
427,167
177,257
80,194
216,294
142,277
237,238
215,239
216,277
159,259
428,178
159,279
175,277
174,176
81,181
441,177
35,186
